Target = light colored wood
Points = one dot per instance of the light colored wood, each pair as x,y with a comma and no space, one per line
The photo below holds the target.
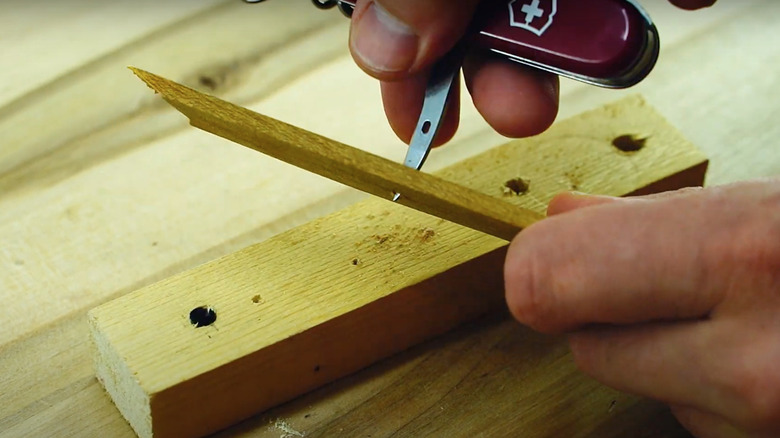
117,192
337,294
345,164
71,74
126,159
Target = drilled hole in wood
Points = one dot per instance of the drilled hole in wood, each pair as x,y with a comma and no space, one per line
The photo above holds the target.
202,316
257,299
516,186
629,143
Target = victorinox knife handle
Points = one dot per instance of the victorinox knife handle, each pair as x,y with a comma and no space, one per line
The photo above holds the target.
610,43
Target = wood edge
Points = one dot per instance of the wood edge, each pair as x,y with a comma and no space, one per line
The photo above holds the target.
693,176
114,375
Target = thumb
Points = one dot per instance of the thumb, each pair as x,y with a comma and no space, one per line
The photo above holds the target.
623,261
392,39
570,201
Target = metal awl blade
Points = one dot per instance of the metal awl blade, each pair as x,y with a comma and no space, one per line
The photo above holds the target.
442,80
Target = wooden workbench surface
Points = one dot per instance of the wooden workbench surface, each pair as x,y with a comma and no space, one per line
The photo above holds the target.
103,189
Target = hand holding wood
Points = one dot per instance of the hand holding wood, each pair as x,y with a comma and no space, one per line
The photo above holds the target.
674,297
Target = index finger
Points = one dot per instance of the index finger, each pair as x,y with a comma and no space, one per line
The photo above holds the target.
621,262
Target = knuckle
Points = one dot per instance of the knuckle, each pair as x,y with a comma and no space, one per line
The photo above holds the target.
759,249
758,387
525,284
751,252
583,352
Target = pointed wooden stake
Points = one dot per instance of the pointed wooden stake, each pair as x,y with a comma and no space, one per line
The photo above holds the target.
345,164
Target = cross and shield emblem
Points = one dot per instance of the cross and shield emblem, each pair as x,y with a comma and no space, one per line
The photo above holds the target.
534,16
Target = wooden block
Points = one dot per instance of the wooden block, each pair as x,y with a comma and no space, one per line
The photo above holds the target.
337,294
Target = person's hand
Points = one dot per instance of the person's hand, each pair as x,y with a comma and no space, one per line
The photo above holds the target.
675,297
397,41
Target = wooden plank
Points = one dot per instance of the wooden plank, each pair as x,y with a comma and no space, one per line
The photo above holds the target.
58,255
473,382
440,387
334,295
39,54
223,60
345,164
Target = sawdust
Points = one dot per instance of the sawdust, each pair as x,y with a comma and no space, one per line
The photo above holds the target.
426,234
574,180
286,430
398,236
381,238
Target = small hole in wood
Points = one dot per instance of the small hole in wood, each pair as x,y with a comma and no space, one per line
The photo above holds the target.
629,143
317,369
257,299
202,316
516,186
426,127
208,82
355,262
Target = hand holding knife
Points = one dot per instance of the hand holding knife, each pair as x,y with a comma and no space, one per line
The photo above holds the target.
608,43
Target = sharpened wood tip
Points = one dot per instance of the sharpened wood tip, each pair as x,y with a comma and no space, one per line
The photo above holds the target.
149,79
345,164
156,83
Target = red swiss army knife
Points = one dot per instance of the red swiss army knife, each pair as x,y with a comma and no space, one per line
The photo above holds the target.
608,43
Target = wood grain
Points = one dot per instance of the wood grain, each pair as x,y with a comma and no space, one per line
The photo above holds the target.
334,295
107,115
105,189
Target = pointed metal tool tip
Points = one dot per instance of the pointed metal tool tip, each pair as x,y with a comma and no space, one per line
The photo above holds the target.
396,197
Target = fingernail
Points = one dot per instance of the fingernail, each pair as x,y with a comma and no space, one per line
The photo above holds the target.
384,43
551,86
590,195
